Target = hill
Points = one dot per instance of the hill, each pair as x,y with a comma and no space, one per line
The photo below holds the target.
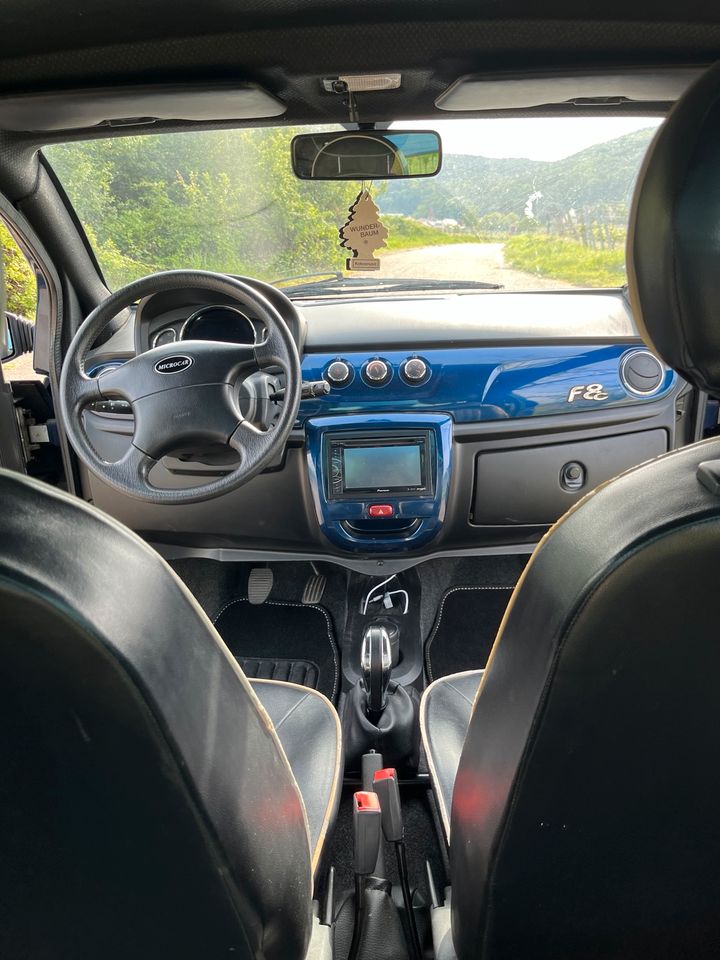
598,181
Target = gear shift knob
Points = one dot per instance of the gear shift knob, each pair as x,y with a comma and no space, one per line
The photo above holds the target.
375,664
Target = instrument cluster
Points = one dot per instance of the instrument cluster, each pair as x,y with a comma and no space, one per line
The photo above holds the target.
212,322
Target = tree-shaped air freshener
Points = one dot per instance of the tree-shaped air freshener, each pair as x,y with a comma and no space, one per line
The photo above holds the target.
363,233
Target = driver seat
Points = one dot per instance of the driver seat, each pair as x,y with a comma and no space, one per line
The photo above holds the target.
578,776
153,802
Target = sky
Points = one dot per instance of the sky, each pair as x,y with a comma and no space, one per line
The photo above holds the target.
539,138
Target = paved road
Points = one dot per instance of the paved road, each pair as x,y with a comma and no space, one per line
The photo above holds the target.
20,369
464,261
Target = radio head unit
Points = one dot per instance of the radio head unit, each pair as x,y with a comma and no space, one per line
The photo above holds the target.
394,464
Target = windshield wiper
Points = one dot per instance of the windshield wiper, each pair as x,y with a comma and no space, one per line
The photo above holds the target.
335,282
331,275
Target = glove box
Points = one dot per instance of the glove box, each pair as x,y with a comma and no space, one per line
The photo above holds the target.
536,485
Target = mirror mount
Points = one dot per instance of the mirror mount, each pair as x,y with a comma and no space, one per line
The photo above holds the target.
351,104
341,88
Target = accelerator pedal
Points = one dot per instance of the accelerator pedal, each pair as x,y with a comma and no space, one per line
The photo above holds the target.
315,587
260,583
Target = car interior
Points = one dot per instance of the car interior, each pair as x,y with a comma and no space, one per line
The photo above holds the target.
359,480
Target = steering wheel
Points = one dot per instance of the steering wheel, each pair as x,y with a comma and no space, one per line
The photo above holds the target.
182,393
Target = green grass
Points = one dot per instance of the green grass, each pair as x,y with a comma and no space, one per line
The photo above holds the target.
566,260
408,234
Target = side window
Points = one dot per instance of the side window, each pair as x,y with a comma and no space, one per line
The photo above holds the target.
21,294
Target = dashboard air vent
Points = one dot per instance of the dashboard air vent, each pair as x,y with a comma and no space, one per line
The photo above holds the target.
641,372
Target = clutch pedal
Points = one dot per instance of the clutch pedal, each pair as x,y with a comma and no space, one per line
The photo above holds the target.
260,583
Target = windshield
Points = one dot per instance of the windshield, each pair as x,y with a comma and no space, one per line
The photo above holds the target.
522,204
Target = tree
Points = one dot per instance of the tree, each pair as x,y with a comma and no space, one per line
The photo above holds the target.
222,200
20,285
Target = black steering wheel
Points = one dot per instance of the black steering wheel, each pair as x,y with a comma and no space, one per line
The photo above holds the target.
182,393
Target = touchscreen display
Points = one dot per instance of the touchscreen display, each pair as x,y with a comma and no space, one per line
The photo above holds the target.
375,468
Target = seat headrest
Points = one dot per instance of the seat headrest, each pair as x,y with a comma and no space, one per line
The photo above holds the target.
673,250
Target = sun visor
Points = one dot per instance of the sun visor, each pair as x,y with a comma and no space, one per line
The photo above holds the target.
604,88
126,106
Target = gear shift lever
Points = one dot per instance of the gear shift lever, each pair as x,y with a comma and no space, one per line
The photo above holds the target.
375,664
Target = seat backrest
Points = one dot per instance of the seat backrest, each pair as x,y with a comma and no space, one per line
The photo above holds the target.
585,812
146,806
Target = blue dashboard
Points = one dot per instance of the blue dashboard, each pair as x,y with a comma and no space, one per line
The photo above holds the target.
482,383
449,423
385,401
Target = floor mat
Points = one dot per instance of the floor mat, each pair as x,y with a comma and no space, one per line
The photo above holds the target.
465,629
304,672
280,640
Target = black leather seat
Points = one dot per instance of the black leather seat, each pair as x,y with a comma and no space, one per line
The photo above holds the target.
153,803
445,712
580,784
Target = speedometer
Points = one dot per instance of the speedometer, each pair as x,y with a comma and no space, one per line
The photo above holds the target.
224,323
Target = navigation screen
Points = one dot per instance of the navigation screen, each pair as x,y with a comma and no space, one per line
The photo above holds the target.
388,466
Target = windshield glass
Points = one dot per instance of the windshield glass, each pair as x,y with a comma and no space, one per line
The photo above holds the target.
526,204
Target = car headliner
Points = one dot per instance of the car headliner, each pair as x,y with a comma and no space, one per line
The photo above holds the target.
288,45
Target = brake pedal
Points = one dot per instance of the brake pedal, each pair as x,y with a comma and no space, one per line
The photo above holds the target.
260,583
315,587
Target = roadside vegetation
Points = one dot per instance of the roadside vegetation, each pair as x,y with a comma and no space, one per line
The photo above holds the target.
19,279
565,259
409,234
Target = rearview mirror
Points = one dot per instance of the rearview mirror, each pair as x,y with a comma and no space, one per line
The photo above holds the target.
366,155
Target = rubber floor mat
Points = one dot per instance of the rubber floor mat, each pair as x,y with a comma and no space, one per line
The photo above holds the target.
303,672
279,640
465,629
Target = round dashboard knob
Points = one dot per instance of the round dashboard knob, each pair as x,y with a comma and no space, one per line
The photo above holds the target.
338,373
414,370
376,372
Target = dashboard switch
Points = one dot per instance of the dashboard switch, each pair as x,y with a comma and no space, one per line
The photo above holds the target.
338,373
380,510
376,372
414,371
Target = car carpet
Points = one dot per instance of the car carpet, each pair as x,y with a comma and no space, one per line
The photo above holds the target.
299,636
467,622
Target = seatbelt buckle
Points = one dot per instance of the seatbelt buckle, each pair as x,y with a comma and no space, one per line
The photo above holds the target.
386,786
367,819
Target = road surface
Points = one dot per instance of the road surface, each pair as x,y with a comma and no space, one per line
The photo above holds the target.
463,261
20,369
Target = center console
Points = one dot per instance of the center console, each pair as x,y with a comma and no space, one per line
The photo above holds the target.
380,482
